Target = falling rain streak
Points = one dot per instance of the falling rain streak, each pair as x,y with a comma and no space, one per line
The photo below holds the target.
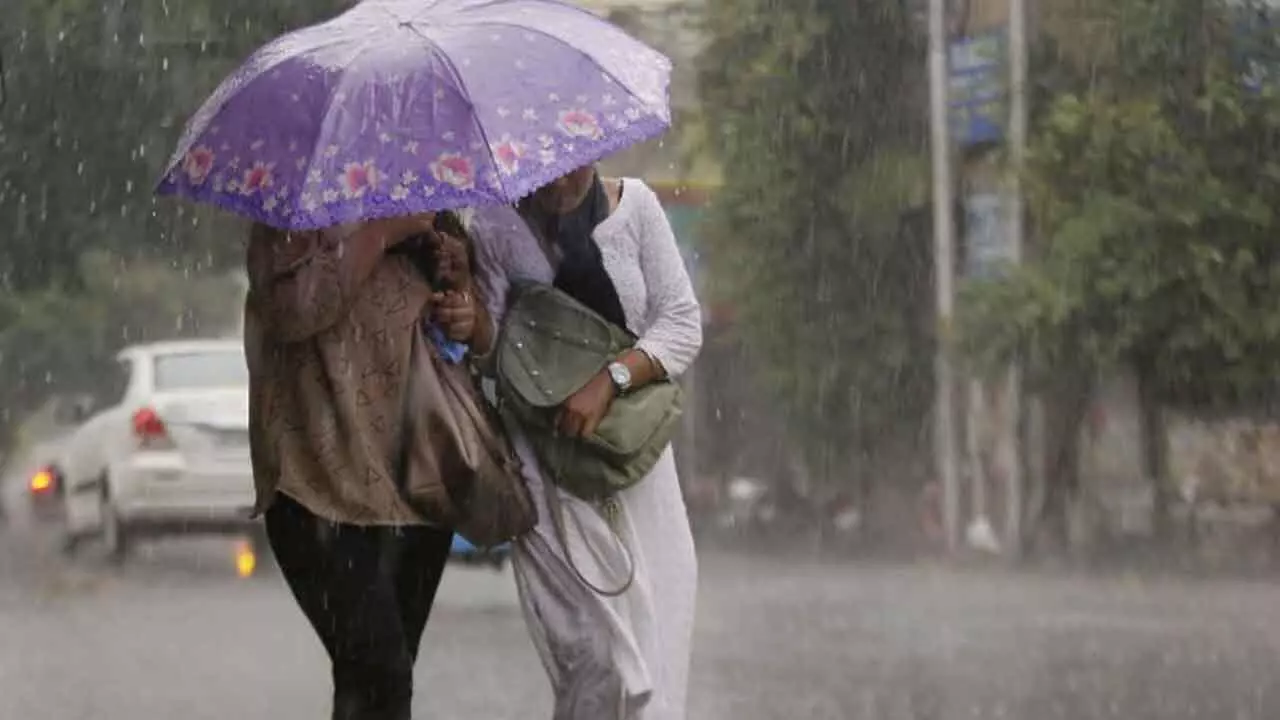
985,423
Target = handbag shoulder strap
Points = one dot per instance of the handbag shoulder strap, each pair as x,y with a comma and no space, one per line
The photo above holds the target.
555,504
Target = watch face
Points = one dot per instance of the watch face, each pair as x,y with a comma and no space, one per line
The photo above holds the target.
621,375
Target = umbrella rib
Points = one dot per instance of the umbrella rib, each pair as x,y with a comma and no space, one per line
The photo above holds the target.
185,144
559,4
571,46
333,92
461,86
432,46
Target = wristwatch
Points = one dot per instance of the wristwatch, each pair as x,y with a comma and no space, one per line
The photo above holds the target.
620,374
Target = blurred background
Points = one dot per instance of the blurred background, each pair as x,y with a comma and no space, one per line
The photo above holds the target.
984,428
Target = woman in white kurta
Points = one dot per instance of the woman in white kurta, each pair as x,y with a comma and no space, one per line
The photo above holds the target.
626,656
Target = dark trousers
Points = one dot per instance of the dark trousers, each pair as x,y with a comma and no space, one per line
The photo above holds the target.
368,592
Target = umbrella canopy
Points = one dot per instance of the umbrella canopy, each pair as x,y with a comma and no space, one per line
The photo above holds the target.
406,106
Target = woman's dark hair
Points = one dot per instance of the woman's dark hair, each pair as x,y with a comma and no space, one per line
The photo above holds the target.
419,251
449,223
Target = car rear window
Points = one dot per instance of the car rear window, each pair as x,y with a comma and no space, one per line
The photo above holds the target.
201,370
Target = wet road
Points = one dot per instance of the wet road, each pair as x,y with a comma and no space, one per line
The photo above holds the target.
176,635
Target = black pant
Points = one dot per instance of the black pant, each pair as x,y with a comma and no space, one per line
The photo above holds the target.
368,592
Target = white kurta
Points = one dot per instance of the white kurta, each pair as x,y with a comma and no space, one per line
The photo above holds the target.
624,657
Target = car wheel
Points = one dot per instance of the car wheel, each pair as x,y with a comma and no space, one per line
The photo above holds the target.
114,537
67,539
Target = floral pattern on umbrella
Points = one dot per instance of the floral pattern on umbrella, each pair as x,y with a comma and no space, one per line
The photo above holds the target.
398,107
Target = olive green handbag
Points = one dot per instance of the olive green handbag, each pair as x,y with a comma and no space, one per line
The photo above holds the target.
551,346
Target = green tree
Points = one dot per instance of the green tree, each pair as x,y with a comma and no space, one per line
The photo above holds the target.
1152,182
89,259
815,110
98,94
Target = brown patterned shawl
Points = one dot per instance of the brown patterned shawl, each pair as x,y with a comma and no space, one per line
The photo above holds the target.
329,330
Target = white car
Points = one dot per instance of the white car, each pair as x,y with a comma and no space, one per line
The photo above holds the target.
164,448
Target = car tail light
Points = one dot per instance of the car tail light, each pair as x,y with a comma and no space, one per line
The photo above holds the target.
150,430
43,482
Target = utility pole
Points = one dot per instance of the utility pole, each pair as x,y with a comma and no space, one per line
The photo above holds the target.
1015,492
944,440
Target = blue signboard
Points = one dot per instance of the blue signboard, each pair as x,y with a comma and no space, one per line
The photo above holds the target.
977,89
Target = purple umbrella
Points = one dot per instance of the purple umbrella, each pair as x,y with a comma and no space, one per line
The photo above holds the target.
405,106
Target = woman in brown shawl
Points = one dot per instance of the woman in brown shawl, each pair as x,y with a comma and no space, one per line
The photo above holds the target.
331,320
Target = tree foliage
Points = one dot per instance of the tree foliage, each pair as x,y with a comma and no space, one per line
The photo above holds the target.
813,107
89,258
98,94
1152,181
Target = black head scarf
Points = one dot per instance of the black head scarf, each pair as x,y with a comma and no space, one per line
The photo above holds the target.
581,274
